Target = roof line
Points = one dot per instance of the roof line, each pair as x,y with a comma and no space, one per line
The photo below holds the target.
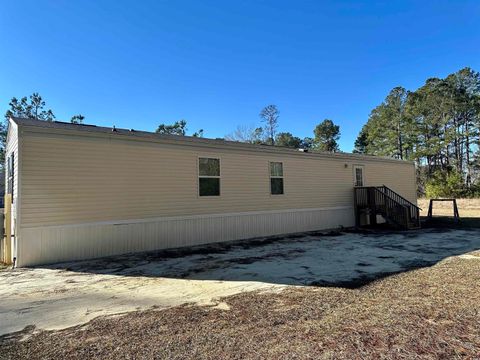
139,135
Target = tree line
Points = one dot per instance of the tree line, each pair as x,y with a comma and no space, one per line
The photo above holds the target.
437,126
326,134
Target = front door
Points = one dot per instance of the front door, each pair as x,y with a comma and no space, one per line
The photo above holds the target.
358,176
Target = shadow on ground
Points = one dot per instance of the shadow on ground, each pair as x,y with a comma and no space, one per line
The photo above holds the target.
345,259
448,222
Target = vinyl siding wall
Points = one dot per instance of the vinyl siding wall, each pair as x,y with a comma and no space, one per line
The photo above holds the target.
75,182
12,147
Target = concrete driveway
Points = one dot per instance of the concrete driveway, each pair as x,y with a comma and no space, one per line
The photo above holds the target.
68,294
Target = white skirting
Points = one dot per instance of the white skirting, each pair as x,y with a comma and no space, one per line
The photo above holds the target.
50,244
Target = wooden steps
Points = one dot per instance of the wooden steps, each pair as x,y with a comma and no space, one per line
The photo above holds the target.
381,200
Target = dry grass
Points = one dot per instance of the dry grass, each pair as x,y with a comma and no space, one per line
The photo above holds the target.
468,208
432,313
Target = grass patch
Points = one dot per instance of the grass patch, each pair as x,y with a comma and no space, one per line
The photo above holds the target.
428,313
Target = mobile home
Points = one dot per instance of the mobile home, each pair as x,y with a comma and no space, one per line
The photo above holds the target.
83,191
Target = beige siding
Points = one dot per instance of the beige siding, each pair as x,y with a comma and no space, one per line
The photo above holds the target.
12,147
78,179
400,177
89,196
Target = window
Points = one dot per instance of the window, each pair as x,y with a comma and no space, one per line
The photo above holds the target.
10,172
208,177
276,178
358,175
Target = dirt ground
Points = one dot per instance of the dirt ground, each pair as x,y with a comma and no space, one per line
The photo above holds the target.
430,313
241,302
58,298
74,293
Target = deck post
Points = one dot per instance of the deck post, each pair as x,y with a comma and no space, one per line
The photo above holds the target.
355,208
372,206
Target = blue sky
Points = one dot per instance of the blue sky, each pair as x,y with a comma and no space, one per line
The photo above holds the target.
136,64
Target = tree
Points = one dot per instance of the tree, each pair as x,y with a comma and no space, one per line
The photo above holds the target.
198,133
259,136
326,136
3,139
307,143
247,134
361,142
269,116
242,133
177,128
33,109
465,85
288,140
77,119
437,126
387,132
396,120
427,108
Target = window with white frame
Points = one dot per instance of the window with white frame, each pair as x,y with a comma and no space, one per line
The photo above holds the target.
358,175
276,178
208,176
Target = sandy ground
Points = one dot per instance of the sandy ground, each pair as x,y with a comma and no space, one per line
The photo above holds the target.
74,293
55,299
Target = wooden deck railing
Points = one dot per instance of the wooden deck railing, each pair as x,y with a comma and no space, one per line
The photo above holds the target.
391,205
413,210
